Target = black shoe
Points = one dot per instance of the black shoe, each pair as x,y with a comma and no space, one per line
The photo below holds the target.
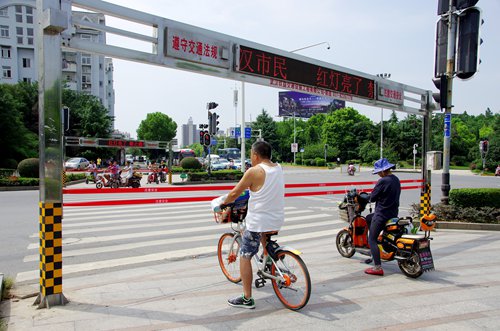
242,302
368,261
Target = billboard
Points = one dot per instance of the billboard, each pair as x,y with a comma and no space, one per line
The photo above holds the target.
306,105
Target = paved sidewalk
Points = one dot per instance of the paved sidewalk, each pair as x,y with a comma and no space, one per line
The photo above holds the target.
463,293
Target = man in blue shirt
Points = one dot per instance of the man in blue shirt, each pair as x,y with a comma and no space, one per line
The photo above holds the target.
386,195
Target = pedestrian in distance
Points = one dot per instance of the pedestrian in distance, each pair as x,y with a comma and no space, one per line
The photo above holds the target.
98,162
92,169
386,195
266,212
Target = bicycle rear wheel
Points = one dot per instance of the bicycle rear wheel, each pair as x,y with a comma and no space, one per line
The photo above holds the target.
228,253
295,290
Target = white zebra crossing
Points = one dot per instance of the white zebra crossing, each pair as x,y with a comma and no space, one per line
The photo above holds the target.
90,233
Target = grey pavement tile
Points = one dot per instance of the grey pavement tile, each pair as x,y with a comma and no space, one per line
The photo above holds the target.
112,323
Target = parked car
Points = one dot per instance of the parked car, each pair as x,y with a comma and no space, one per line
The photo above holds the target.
76,163
225,162
218,165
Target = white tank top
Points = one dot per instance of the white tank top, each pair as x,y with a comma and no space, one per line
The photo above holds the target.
266,207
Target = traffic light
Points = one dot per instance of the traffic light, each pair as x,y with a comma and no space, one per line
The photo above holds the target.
210,123
441,97
485,146
214,128
462,4
212,105
469,23
441,47
202,134
206,139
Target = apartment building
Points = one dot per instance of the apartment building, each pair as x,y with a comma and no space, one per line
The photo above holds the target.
87,73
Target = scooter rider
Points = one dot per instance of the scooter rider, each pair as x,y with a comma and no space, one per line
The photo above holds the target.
386,195
127,173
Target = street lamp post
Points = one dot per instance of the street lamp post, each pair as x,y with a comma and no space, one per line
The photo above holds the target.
414,154
384,75
294,127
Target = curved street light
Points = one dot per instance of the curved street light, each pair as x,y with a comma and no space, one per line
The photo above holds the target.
321,43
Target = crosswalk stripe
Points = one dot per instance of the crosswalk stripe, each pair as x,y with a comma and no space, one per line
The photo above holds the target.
136,235
110,263
131,217
140,223
131,246
74,211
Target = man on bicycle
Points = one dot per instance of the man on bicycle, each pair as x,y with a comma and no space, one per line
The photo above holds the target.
265,212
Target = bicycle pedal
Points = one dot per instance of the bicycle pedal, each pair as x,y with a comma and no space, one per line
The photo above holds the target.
260,282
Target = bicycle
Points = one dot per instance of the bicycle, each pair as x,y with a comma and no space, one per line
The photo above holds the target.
282,265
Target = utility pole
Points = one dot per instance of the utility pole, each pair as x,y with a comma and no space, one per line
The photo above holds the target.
450,69
464,15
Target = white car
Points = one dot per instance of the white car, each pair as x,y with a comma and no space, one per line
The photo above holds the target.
78,163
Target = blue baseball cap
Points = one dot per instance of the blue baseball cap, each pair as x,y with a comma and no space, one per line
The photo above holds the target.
382,165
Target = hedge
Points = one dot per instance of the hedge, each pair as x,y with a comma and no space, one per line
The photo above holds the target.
216,175
6,172
29,168
18,181
190,163
475,197
23,181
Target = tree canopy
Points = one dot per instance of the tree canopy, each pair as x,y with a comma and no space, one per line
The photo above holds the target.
157,126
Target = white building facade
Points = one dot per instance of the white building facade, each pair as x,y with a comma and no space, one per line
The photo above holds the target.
190,134
87,73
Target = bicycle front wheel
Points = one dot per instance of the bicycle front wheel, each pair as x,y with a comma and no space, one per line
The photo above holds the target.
295,288
228,253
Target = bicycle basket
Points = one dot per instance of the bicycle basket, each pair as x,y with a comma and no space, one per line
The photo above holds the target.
234,215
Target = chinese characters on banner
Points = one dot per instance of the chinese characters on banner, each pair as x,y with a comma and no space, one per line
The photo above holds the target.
194,47
280,68
120,143
390,94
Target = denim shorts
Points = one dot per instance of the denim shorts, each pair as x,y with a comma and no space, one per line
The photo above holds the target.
250,244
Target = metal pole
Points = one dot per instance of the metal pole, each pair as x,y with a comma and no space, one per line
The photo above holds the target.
450,68
381,132
51,145
294,137
242,131
384,75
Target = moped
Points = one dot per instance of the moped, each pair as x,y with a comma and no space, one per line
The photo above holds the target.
395,242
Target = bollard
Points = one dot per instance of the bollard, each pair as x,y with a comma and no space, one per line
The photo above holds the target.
170,177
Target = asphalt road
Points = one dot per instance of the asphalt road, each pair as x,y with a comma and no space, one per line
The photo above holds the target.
19,221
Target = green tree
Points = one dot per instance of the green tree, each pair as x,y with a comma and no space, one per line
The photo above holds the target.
88,117
17,141
197,148
346,129
265,123
157,126
27,95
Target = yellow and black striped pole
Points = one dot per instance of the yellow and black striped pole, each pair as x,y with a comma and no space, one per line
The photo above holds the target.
425,200
50,255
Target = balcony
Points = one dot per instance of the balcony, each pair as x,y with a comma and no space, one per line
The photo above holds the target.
69,67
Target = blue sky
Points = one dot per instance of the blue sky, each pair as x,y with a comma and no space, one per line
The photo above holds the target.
390,36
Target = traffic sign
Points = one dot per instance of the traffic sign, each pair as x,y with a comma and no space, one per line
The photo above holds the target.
214,142
248,133
237,132
295,147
